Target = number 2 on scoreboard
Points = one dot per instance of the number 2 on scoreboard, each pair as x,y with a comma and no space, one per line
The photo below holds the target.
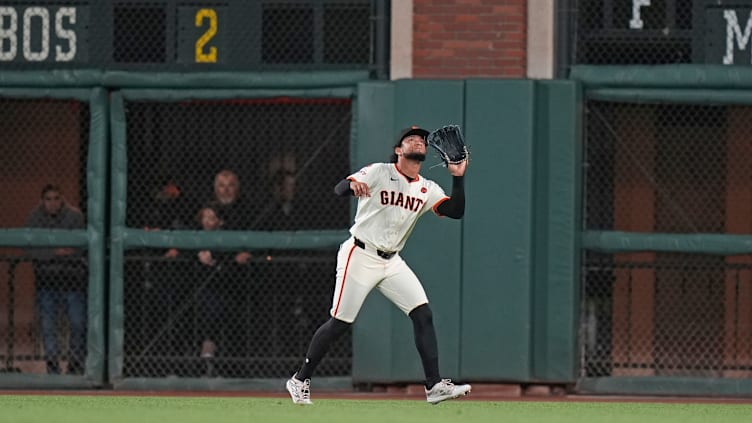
211,55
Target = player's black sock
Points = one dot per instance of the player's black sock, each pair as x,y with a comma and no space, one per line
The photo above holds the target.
325,335
425,340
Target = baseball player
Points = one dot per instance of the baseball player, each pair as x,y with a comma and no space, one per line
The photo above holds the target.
391,198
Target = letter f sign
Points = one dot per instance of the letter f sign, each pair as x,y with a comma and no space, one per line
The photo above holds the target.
636,22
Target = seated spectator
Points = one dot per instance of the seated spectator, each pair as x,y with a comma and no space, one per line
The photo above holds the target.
231,207
61,281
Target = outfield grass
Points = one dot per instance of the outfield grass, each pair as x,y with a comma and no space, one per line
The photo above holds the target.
114,409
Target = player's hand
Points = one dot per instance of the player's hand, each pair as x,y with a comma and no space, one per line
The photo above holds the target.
243,258
360,189
205,257
457,169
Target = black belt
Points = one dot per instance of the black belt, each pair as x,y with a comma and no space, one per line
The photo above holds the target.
383,254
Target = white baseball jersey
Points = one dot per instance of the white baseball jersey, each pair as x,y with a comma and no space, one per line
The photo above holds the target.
383,222
388,216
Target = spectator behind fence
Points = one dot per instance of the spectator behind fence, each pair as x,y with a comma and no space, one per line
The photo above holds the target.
222,278
232,207
283,211
211,268
170,209
61,281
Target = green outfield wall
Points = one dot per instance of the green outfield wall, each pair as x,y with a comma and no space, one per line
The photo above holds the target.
504,282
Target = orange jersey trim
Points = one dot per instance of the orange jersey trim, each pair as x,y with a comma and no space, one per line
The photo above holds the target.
436,206
417,178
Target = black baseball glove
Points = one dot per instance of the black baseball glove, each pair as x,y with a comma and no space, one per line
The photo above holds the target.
449,143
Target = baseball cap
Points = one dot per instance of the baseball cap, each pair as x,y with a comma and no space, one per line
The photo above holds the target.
413,130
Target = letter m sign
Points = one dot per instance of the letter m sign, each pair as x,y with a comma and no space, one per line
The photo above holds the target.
738,32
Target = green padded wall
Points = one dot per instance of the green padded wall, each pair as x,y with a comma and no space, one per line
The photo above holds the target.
556,280
503,282
498,231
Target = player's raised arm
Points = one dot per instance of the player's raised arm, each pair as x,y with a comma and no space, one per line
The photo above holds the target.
343,188
454,207
352,187
457,169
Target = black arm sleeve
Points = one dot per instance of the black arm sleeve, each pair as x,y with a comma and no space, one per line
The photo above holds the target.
454,207
343,188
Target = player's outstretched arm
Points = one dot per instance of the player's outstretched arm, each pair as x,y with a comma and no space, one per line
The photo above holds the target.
343,188
348,187
457,169
454,207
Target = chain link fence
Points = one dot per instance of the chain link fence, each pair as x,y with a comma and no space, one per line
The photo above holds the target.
264,164
43,290
251,164
667,168
664,167
622,33
184,318
667,314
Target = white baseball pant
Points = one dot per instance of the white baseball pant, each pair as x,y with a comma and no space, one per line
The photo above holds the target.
360,270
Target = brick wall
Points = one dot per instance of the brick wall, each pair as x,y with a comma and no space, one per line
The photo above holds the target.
469,38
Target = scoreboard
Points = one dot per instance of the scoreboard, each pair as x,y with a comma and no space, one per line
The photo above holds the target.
189,34
36,34
727,37
624,32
